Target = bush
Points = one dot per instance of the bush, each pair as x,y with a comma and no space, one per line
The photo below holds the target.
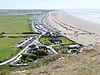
50,58
3,32
0,61
24,56
41,53
43,61
64,51
33,56
28,33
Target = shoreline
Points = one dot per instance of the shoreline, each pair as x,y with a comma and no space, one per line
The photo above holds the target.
74,28
75,20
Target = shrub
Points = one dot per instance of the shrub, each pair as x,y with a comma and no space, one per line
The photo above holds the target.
28,33
24,56
41,53
33,56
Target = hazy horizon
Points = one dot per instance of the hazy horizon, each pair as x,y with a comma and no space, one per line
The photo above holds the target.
52,4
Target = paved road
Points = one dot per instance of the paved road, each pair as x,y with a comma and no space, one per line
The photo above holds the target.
43,26
52,49
14,56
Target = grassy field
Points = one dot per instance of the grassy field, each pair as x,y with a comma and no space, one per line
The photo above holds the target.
19,34
6,51
65,40
14,24
45,41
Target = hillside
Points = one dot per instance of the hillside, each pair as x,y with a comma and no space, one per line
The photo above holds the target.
86,63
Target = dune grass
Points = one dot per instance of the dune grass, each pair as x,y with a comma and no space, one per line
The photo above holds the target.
86,63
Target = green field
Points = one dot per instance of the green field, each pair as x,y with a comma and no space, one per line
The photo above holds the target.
19,34
45,40
65,40
14,24
6,50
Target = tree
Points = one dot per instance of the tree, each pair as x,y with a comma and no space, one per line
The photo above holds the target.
33,56
41,53
24,56
0,35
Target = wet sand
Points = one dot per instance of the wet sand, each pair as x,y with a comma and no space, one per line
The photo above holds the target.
78,30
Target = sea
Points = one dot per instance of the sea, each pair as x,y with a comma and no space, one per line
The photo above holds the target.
92,15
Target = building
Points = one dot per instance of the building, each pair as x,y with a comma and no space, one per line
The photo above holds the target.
55,40
33,47
54,34
73,48
48,34
42,47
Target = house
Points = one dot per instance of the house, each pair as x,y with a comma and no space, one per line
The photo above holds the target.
43,47
55,40
73,48
33,47
47,34
56,34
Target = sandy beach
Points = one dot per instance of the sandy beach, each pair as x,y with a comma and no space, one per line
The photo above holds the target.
79,30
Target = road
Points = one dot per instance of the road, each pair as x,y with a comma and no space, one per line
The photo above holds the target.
43,28
52,49
14,56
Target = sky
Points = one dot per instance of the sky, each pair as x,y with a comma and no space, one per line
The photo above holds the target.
49,4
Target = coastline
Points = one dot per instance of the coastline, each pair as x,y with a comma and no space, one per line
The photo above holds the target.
78,30
79,22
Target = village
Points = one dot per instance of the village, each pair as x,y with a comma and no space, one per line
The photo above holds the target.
50,41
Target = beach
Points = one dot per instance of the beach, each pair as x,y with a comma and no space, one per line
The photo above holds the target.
77,29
